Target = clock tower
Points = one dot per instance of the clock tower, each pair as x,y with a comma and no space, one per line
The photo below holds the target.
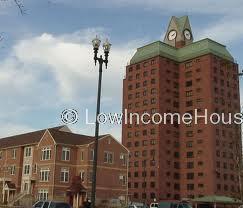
179,32
174,160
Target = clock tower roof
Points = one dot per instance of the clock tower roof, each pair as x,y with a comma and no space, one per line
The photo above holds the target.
179,33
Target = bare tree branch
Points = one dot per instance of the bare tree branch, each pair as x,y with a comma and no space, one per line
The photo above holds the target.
20,5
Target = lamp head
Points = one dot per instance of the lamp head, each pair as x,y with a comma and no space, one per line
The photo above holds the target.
106,46
96,42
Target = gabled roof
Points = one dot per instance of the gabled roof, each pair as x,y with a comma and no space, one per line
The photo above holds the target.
62,137
58,133
23,139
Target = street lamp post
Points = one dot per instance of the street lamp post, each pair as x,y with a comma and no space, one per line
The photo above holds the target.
239,158
106,46
144,181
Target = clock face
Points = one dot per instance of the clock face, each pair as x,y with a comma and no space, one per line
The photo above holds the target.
172,35
187,34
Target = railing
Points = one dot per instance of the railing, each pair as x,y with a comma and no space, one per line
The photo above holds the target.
17,198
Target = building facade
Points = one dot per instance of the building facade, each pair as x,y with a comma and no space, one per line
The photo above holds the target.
171,159
44,163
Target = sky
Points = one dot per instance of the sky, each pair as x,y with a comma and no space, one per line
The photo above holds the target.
46,56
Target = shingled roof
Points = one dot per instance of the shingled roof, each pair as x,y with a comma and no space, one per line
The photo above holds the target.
60,137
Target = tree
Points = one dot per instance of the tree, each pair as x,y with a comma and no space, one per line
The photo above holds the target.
19,5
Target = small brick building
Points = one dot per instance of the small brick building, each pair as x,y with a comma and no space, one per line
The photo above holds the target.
44,163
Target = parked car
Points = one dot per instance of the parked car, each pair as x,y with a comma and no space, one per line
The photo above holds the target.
137,205
51,204
168,204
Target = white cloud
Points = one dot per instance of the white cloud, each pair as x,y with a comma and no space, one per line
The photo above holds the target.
227,30
54,72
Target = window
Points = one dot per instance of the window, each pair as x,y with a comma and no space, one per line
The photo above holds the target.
82,175
108,158
189,133
189,154
152,81
189,103
64,175
189,93
82,155
190,176
190,186
44,174
12,169
43,195
188,65
153,91
46,153
35,168
144,92
188,83
90,176
152,131
188,74
190,165
145,73
137,95
26,169
65,154
91,155
153,71
189,144
27,152
200,174
152,195
14,154
153,101
123,179
123,159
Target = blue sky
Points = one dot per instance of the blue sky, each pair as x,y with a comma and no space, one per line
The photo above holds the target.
46,61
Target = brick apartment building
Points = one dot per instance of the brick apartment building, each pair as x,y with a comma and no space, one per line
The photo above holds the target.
44,163
175,161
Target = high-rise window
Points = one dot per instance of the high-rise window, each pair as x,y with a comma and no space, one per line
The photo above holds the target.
189,93
190,186
188,83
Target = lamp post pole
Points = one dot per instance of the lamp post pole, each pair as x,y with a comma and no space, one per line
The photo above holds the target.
239,157
144,181
101,61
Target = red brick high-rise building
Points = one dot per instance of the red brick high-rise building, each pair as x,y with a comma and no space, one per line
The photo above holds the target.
175,161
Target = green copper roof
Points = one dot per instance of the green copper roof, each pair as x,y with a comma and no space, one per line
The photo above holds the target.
217,199
193,50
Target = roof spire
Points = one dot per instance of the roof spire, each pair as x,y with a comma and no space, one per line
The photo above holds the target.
179,33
